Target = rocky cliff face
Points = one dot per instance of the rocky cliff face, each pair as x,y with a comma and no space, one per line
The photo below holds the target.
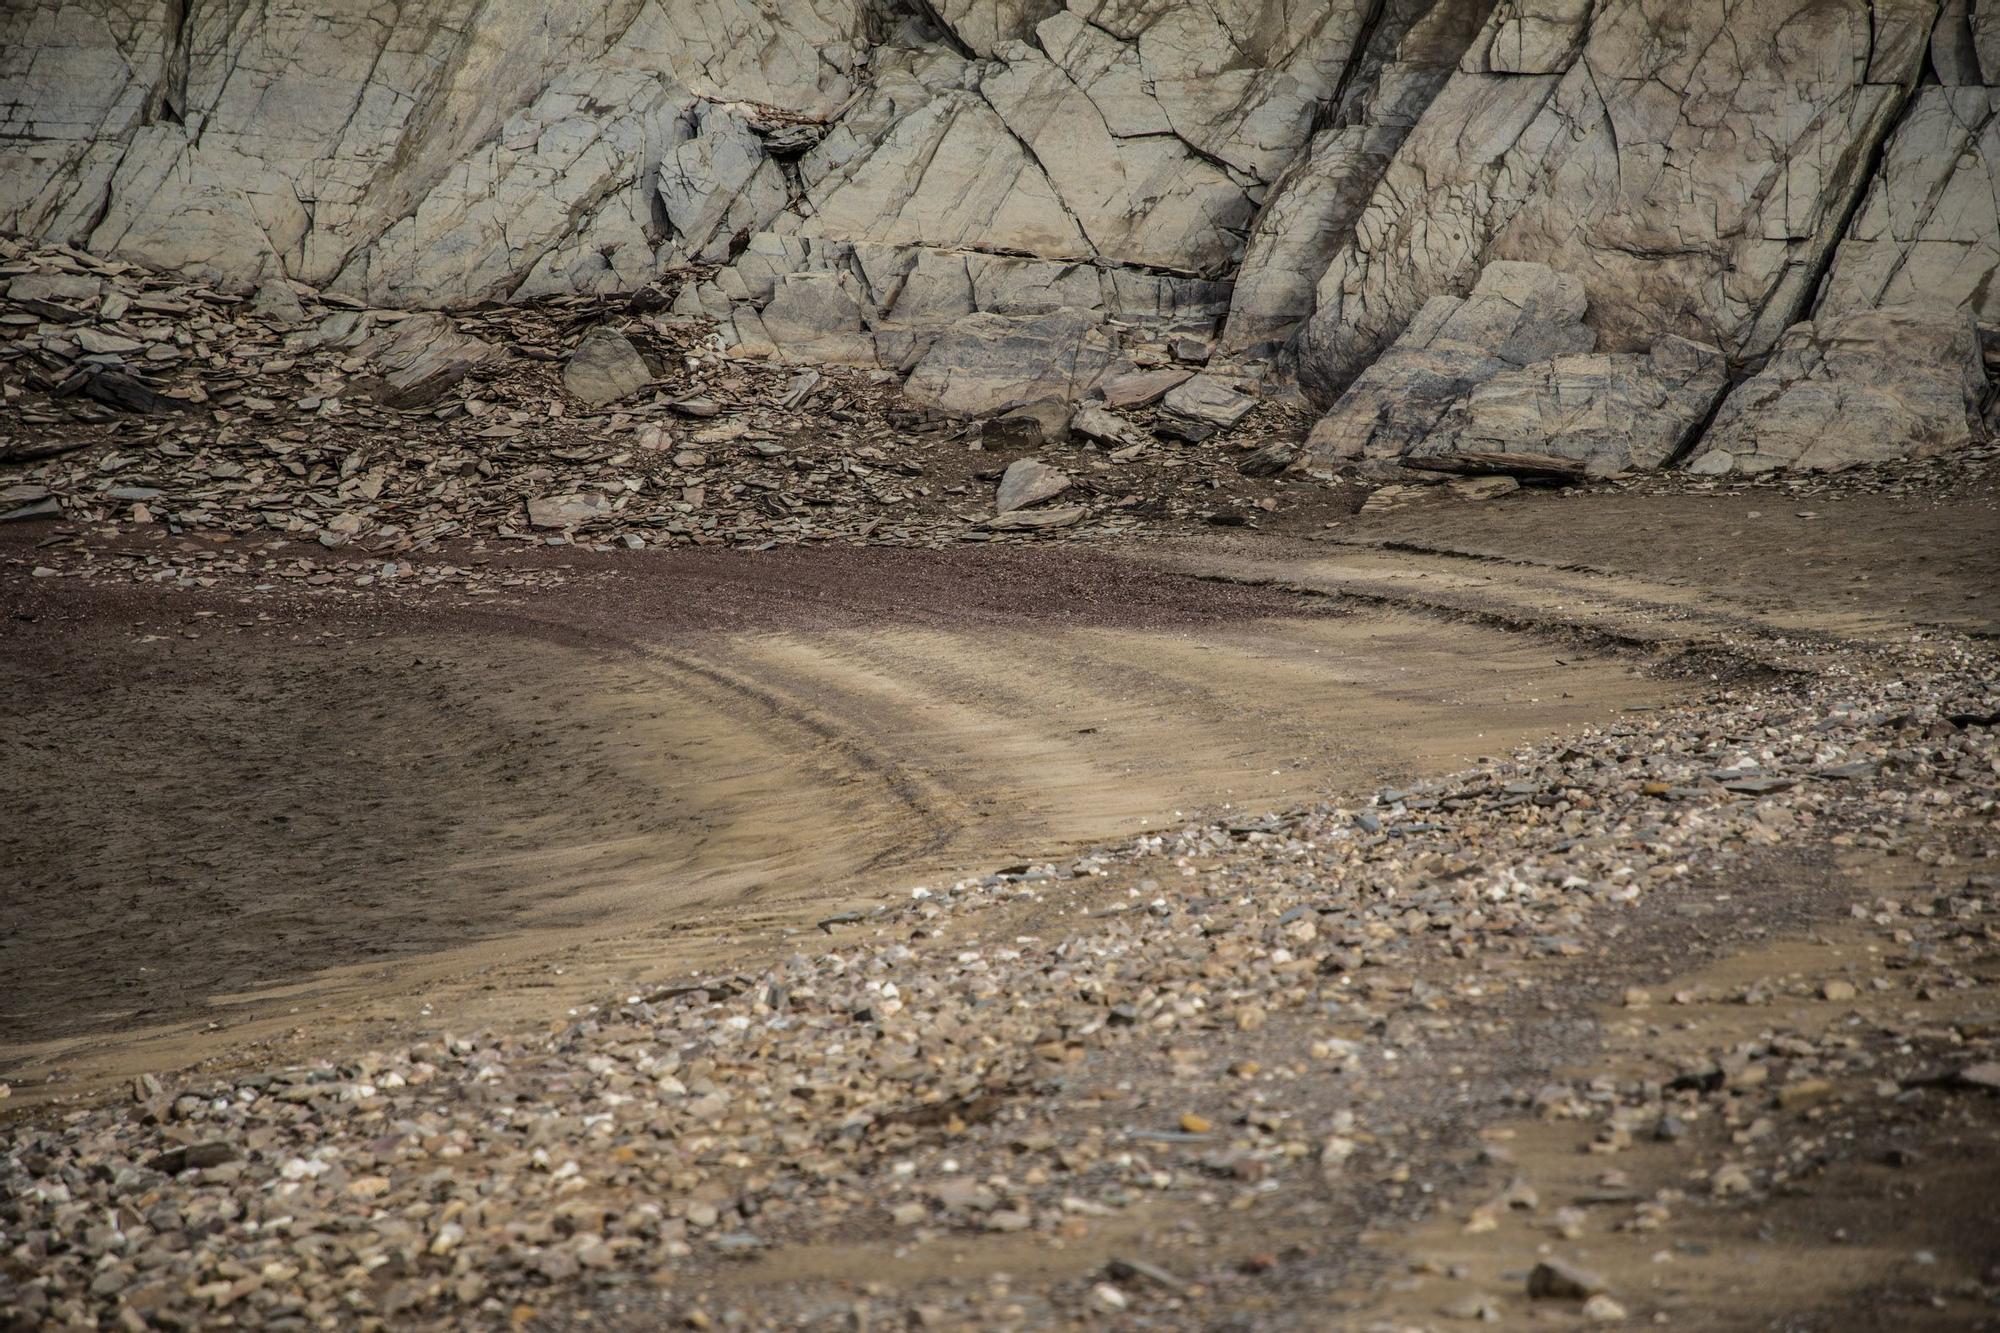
1625,207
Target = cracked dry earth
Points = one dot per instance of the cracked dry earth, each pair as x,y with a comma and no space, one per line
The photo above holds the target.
1575,910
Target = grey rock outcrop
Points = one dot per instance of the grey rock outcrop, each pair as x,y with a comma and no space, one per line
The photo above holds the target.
1314,205
985,364
432,153
1858,388
605,368
1610,411
1610,142
1516,315
982,192
1928,231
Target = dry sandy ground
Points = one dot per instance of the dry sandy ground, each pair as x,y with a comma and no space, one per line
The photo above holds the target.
241,814
247,827
233,825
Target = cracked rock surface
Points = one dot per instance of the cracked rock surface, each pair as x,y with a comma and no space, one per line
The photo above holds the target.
846,182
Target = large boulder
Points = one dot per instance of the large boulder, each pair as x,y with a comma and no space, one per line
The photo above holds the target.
422,357
985,364
605,368
1865,387
1517,314
1610,411
1691,165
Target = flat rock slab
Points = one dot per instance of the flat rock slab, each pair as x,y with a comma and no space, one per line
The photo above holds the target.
1107,428
1209,399
1026,519
1029,481
1140,388
566,511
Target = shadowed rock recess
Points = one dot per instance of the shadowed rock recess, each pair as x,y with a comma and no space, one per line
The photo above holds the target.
1738,210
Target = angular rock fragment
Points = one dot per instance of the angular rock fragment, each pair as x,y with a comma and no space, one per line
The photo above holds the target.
1865,387
277,301
1209,399
1026,520
1106,428
1558,1280
1138,388
63,290
604,368
566,511
422,357
1029,481
1045,421
1271,459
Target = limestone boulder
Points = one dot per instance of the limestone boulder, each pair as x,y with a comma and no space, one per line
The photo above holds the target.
1210,399
605,368
984,364
1865,387
1516,315
422,357
1029,481
1610,411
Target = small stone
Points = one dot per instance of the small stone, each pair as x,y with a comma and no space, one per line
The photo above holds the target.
1730,1181
1601,1309
1478,1309
1195,1124
1804,1092
1107,1299
1553,1279
194,1156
